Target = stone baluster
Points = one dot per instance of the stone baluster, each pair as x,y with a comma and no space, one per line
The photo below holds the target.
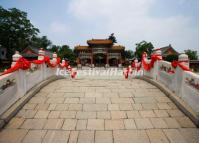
184,59
54,57
15,57
179,73
63,62
20,76
41,54
136,63
159,53
156,68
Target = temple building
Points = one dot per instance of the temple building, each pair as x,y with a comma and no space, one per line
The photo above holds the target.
168,50
99,52
31,53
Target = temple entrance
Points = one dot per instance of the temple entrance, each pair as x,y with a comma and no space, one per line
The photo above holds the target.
113,62
99,60
85,62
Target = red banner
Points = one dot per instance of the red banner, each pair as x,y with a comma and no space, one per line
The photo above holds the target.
73,74
24,64
66,64
179,63
154,58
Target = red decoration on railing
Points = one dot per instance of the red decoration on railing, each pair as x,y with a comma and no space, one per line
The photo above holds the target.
53,65
66,64
133,65
154,58
24,64
179,63
73,74
197,86
126,72
69,68
136,66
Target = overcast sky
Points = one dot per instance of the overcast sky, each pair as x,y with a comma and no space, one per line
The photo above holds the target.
72,22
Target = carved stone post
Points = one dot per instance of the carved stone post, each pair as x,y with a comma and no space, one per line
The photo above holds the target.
15,57
20,76
136,63
54,57
159,53
156,68
184,59
178,80
63,62
41,54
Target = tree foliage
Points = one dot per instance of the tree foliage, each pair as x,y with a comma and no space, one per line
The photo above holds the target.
41,42
113,38
55,48
128,54
192,54
66,53
143,47
16,31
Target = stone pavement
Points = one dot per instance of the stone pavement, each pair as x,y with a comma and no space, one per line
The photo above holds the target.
100,111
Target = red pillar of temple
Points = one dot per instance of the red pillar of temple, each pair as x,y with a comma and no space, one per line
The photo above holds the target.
107,60
91,58
79,61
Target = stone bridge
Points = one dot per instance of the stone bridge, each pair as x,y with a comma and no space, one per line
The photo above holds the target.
100,111
158,107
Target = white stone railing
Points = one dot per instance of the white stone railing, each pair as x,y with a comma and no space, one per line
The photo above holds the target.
164,75
189,92
9,90
185,84
15,85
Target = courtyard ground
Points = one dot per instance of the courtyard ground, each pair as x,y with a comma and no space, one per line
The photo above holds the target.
100,111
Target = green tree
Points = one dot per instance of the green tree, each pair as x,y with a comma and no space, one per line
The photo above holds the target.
55,48
66,52
143,47
192,54
16,30
113,38
128,54
41,42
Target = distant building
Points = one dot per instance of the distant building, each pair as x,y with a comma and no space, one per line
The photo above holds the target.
32,52
194,64
168,50
99,52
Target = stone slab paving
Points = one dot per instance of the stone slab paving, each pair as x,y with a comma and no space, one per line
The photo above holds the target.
100,111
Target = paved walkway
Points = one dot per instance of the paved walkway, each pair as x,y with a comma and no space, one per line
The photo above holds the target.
100,111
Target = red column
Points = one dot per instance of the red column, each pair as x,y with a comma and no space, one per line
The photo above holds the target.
107,60
91,57
79,61
120,59
91,60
